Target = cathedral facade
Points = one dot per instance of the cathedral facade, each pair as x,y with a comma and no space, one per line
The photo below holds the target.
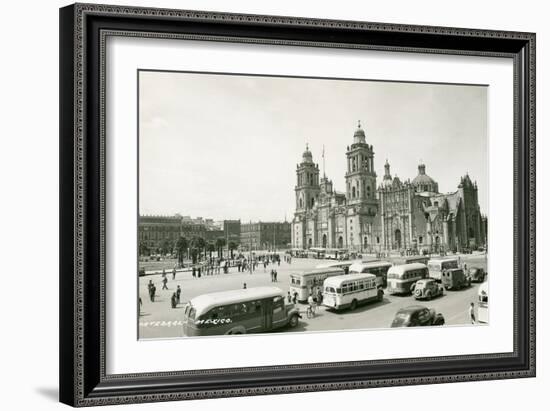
394,215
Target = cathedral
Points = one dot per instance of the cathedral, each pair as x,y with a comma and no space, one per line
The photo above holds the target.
394,215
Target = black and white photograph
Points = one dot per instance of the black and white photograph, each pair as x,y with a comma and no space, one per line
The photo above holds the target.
273,204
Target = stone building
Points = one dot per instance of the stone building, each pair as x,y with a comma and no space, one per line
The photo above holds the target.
154,230
395,215
265,235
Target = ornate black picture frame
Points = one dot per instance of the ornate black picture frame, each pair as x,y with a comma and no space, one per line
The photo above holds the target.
83,30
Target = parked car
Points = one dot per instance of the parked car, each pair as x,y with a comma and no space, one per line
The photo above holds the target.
455,279
477,274
417,316
427,289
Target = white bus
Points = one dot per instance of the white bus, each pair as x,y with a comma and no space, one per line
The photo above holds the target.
378,268
483,303
335,253
436,266
310,282
350,290
344,265
251,310
402,278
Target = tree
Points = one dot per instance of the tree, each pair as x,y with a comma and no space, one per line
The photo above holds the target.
166,246
210,247
143,249
232,246
220,244
181,245
197,245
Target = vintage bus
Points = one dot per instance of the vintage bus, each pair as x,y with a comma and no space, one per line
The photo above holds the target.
378,268
344,265
310,282
336,253
402,278
408,259
315,252
436,266
348,291
483,303
252,310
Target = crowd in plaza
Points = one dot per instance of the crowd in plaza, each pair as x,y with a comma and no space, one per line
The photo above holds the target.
215,266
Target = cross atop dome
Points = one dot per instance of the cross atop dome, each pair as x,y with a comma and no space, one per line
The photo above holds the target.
359,135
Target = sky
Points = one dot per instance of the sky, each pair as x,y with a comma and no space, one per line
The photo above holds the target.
226,146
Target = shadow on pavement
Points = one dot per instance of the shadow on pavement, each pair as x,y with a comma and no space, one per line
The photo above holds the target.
360,309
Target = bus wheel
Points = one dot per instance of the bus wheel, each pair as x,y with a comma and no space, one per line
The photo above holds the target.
293,322
353,305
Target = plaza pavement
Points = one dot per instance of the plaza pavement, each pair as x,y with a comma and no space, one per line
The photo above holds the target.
159,320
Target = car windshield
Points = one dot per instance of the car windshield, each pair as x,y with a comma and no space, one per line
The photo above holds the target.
401,318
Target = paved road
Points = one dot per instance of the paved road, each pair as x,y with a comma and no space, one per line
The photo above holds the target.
159,320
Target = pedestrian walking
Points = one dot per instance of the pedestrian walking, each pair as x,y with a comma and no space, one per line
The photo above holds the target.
152,292
288,297
173,300
275,275
164,282
319,296
295,297
178,294
244,286
472,313
174,273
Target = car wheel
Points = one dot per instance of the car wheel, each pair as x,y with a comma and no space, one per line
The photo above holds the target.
293,322
428,295
353,305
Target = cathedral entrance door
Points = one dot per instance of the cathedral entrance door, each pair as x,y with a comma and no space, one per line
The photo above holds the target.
324,241
397,236
340,242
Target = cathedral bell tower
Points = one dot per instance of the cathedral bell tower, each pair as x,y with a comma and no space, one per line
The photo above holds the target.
360,176
307,183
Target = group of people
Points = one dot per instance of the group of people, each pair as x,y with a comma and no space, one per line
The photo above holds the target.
152,289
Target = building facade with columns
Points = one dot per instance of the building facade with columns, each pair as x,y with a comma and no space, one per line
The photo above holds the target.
394,215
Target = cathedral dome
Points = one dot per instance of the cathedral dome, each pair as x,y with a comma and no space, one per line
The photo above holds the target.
359,135
424,182
307,157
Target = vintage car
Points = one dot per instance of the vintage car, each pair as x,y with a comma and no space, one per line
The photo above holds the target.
455,279
417,316
477,274
427,289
